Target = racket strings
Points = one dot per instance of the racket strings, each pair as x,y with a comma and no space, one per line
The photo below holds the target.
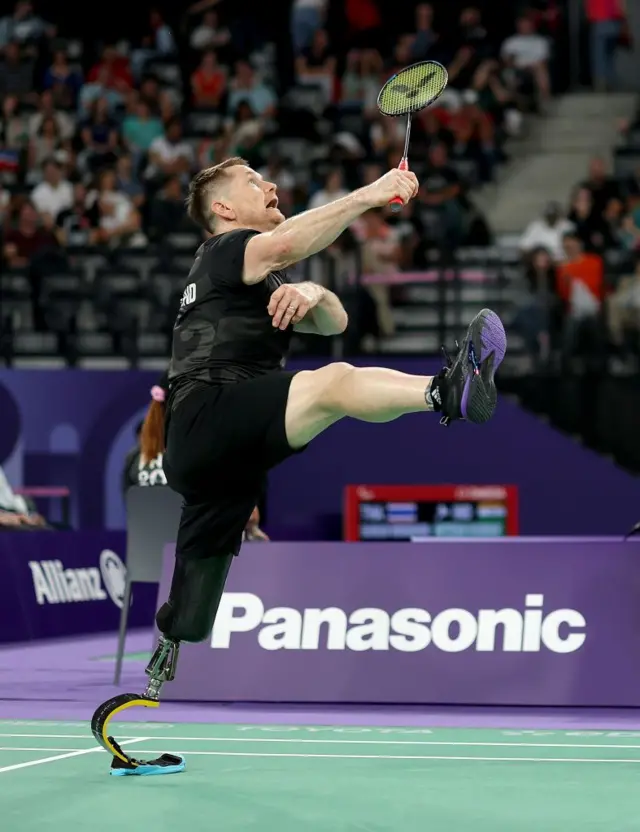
412,89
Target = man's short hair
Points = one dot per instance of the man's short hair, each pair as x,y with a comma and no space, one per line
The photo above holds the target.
201,188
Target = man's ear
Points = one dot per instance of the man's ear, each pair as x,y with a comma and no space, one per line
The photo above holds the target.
223,210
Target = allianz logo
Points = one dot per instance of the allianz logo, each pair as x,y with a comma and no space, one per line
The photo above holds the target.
531,629
55,584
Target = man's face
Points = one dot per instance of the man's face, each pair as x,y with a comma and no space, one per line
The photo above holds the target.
28,216
244,73
438,156
248,200
525,26
52,174
572,248
174,133
23,9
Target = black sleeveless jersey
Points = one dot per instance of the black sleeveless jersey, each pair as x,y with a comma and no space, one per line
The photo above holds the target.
223,333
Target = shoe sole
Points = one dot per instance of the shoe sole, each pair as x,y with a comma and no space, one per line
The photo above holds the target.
148,771
488,340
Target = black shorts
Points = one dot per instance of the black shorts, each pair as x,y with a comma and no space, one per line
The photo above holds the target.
221,442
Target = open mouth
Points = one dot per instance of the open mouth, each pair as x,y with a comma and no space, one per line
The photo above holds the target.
273,203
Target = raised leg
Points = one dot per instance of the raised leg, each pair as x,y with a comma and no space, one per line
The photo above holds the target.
463,390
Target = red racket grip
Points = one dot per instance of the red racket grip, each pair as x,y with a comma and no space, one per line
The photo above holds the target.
396,203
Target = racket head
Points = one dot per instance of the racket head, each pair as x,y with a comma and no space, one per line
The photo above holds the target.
413,88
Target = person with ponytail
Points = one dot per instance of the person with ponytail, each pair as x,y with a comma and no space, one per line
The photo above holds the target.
144,464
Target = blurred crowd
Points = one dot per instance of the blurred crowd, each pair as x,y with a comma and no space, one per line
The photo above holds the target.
98,140
583,272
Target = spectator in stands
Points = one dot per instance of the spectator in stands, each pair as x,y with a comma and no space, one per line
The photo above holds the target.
48,144
48,109
387,136
441,191
607,19
63,80
307,17
112,71
538,316
316,65
474,135
99,137
28,239
54,194
99,88
119,222
24,26
158,42
587,222
140,128
425,38
602,186
495,98
16,512
623,312
128,181
208,82
167,209
77,225
333,189
381,254
580,285
246,135
612,225
17,75
160,101
528,53
360,82
547,232
14,124
210,34
170,155
245,86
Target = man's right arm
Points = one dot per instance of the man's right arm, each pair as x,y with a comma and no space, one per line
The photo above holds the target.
312,231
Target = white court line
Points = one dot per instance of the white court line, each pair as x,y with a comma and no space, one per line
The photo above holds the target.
344,742
78,753
388,757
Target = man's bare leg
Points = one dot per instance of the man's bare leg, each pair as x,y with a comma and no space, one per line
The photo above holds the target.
319,398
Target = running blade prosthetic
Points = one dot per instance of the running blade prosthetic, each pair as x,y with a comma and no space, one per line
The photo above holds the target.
467,388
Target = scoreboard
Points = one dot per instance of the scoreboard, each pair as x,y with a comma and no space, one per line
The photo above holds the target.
410,512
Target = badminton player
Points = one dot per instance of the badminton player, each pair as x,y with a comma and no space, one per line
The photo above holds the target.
233,411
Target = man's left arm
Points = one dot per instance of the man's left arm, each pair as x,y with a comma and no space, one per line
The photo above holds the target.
309,307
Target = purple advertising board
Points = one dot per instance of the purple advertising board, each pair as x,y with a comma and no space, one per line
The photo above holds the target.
535,622
58,584
74,428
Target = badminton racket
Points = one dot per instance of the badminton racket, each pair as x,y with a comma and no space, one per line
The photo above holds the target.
412,89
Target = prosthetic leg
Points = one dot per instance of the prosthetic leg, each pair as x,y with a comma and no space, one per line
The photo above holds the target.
188,615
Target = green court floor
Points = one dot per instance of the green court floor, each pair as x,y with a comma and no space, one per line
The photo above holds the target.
321,779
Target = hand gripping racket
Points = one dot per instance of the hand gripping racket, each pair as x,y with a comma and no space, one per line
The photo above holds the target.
410,90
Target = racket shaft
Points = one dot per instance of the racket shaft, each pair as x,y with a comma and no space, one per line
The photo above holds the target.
397,203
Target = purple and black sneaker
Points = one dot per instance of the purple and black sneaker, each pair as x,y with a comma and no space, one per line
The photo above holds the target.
466,388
